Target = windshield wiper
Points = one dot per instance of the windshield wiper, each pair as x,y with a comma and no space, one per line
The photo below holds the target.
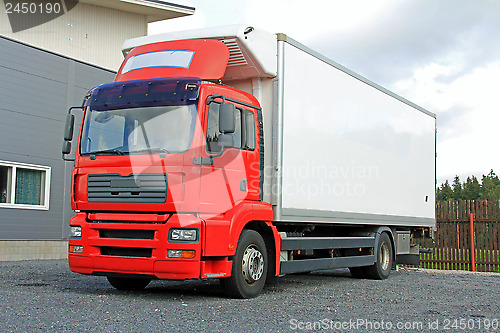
106,151
149,150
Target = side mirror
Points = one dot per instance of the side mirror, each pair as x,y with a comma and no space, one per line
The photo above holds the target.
68,133
68,127
66,147
227,118
226,141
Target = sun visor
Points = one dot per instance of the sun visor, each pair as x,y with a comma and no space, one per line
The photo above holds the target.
203,58
143,93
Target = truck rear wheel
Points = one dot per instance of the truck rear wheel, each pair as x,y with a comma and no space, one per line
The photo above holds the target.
382,267
128,283
250,265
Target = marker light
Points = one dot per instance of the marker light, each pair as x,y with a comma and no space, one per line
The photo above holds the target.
75,249
188,254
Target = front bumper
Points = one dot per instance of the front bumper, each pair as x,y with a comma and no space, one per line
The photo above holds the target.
138,244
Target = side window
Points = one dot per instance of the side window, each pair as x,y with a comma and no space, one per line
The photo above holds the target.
249,125
213,128
237,129
243,136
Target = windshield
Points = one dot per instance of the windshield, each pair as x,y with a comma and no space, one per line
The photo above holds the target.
141,130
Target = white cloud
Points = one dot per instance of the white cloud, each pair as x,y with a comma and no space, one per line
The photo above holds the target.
302,20
468,114
207,14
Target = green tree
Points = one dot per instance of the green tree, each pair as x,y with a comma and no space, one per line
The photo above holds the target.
457,189
444,192
471,189
490,187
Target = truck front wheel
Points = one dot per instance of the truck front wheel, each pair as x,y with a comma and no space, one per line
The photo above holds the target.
128,283
358,272
250,264
382,267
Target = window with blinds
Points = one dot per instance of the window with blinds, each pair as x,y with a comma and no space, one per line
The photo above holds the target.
24,185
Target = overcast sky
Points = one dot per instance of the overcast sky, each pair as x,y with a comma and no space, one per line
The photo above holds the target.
443,55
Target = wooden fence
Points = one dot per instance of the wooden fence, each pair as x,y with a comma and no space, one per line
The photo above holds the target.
451,246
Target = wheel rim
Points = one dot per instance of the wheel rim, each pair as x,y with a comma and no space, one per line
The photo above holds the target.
384,256
252,264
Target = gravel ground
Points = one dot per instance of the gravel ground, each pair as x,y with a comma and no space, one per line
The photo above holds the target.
44,296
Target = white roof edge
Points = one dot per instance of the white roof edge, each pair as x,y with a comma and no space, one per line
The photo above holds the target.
154,10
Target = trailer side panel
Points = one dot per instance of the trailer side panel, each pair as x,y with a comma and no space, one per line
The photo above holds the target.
352,152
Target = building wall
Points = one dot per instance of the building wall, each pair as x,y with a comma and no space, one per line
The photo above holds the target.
31,250
36,89
88,33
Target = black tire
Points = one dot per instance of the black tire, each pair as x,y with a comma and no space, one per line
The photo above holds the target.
358,272
250,265
385,253
128,283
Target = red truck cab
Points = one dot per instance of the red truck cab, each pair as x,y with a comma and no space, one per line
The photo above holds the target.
168,172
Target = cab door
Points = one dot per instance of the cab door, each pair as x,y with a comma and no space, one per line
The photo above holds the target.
231,158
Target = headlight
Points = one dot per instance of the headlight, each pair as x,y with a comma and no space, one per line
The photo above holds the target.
183,235
75,231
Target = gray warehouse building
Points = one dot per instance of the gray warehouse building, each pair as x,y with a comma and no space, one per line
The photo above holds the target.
43,71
